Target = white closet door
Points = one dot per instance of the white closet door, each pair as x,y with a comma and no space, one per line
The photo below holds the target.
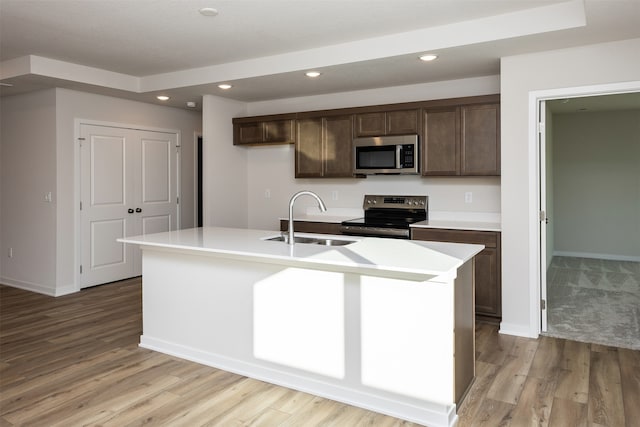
128,187
156,182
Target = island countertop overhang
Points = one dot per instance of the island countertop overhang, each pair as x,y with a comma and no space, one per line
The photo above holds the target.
392,258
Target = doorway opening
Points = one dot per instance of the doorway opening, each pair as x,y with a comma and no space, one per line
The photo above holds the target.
589,182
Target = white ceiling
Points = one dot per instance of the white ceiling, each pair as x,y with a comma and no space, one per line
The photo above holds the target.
140,48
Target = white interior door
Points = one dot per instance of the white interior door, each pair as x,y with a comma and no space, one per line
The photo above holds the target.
156,204
128,187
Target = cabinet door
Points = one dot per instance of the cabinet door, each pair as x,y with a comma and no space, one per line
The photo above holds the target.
480,141
441,145
487,290
337,146
309,148
250,133
403,122
281,131
370,124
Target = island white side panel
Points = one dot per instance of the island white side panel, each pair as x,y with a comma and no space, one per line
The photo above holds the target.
225,313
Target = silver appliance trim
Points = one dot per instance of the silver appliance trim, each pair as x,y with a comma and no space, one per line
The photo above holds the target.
358,230
396,141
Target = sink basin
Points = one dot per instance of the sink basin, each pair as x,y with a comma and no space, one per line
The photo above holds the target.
311,240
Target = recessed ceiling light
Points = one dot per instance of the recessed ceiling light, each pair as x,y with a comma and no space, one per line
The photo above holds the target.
428,57
225,86
312,74
163,97
208,11
191,104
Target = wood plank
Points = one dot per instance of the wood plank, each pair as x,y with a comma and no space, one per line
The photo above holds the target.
534,405
630,381
510,380
605,403
568,413
573,380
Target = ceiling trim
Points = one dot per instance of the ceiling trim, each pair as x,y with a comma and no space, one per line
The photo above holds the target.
555,17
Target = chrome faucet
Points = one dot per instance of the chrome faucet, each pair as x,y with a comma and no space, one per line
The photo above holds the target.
321,205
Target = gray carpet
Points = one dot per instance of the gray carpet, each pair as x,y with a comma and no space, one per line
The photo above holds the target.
594,300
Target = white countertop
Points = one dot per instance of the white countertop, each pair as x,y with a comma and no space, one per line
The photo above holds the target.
458,225
474,221
395,258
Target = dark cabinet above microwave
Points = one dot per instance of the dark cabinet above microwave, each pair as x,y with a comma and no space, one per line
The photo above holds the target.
382,123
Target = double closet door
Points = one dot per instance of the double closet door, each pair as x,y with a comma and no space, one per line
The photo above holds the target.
128,187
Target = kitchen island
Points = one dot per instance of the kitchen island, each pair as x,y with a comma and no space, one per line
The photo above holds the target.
383,324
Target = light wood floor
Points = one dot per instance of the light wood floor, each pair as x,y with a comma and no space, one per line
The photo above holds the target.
74,360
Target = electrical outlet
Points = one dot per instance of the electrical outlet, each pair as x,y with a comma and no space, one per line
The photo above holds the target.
267,193
10,253
468,197
334,195
48,198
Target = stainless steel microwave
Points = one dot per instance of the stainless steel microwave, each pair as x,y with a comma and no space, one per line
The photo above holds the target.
386,155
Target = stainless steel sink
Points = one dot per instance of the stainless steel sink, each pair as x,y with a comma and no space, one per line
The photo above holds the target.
311,240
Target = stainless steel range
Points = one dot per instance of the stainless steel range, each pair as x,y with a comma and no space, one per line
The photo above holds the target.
388,216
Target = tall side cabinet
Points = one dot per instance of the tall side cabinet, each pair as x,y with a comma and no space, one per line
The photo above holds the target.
461,140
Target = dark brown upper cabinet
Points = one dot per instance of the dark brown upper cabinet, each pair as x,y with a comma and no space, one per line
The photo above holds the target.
397,122
480,140
264,130
323,147
461,140
441,142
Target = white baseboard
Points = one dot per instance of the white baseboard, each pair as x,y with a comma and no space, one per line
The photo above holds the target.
34,287
611,257
425,413
516,330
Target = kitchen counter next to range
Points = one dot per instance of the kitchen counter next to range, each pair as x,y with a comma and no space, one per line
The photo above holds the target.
458,225
383,324
472,221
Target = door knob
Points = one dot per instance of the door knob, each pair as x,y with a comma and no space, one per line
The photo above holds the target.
138,210
130,210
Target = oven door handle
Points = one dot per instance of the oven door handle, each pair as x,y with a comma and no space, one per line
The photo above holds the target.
398,156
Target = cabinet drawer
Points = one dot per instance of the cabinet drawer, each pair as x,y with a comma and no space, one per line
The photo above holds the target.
487,238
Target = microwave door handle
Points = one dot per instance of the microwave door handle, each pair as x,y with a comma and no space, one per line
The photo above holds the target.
398,156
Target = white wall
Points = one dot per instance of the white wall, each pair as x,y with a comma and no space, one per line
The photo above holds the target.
28,223
40,155
597,184
600,64
272,168
224,165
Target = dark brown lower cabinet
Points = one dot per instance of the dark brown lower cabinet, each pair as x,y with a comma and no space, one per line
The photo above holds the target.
311,227
487,265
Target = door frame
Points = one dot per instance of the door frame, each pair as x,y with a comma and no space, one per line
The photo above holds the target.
537,191
77,122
